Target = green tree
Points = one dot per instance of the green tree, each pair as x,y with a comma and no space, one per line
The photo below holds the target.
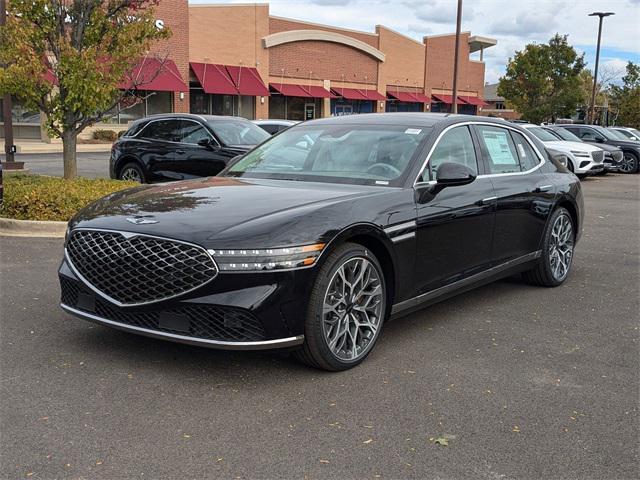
542,82
625,98
68,58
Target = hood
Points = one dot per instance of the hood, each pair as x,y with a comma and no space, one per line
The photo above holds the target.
221,210
567,146
625,143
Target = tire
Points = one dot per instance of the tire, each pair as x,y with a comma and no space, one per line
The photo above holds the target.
629,163
557,250
328,345
570,166
132,172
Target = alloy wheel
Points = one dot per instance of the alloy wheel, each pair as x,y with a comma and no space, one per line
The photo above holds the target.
353,309
628,164
561,247
131,174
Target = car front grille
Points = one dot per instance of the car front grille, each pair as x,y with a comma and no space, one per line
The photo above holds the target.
132,269
210,322
598,156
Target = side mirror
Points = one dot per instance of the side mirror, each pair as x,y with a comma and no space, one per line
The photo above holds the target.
453,174
599,140
204,142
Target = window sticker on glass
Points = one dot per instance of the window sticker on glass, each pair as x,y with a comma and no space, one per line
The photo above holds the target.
523,154
413,131
498,147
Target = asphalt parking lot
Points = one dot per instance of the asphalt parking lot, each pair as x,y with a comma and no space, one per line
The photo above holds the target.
524,382
91,165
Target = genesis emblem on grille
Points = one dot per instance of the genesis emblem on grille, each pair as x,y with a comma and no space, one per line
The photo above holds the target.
142,220
134,269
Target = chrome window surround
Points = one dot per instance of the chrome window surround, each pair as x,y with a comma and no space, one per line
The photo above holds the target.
541,158
175,118
131,235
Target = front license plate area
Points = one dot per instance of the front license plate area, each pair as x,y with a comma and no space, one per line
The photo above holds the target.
175,322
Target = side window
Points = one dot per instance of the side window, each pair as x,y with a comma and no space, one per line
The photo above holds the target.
270,129
167,130
193,132
528,157
455,146
501,150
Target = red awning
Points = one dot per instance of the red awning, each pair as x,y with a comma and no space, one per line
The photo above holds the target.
422,98
50,77
475,101
317,92
403,96
152,74
358,94
214,78
447,99
247,80
289,90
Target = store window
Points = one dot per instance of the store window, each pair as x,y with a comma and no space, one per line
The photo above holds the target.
342,106
397,106
134,107
294,108
213,104
20,114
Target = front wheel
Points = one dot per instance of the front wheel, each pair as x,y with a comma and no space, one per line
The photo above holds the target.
557,251
629,163
347,308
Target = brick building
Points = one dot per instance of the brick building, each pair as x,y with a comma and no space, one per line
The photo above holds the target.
237,59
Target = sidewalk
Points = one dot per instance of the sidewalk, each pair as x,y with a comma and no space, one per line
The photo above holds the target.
35,146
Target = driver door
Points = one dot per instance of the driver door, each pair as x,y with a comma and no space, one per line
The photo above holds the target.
454,224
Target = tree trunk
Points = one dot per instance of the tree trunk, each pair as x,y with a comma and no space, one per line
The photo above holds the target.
69,140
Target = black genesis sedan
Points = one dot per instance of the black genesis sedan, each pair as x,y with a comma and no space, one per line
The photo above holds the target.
181,146
317,237
601,136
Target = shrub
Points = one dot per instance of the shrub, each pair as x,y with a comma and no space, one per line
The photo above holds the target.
35,197
109,135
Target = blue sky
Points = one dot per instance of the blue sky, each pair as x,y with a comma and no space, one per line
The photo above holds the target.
514,23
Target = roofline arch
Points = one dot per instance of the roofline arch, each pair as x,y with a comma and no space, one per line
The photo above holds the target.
323,36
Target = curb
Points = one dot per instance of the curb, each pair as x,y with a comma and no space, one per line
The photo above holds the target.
10,227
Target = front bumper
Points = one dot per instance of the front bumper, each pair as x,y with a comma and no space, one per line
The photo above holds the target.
237,311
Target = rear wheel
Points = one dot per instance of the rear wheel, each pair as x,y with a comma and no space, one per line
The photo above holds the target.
346,310
557,251
629,163
132,172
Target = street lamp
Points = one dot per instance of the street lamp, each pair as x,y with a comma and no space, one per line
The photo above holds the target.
592,106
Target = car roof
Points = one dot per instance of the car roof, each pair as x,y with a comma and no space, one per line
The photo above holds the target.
275,121
192,116
405,118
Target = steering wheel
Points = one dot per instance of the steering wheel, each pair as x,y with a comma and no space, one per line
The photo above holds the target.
386,167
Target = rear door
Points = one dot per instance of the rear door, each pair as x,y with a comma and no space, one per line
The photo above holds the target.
524,196
454,224
161,139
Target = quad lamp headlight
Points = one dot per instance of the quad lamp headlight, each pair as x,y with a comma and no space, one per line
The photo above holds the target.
261,259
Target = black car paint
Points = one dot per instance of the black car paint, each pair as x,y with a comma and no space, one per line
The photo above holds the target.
465,235
162,160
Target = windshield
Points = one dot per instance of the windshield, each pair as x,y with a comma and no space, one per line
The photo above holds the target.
566,135
543,134
606,133
363,154
238,132
619,135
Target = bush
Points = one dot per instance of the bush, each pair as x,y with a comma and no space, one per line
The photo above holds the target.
35,197
109,135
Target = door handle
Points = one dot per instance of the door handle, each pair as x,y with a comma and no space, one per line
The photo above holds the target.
543,188
180,151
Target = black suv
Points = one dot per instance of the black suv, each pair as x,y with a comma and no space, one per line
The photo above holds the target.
600,135
181,146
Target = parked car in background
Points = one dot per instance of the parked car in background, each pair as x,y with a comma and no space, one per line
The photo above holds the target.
598,135
627,132
612,155
584,159
181,146
273,126
313,247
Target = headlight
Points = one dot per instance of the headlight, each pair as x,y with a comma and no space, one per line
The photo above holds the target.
267,258
581,154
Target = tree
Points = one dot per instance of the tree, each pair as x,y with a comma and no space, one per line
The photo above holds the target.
68,58
542,82
625,99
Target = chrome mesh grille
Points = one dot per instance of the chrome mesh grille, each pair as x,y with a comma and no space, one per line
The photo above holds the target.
134,270
598,156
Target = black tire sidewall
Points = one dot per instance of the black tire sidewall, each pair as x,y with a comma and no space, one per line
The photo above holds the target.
546,262
314,334
135,166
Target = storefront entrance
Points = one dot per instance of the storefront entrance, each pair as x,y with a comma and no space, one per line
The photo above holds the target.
213,104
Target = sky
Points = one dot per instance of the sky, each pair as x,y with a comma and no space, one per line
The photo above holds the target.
513,23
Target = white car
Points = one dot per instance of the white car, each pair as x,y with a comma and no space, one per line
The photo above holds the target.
584,159
627,132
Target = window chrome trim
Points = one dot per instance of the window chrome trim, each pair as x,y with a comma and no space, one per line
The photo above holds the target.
178,119
128,235
203,342
541,158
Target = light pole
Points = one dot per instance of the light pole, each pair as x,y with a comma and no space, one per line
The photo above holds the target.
454,107
592,106
6,107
